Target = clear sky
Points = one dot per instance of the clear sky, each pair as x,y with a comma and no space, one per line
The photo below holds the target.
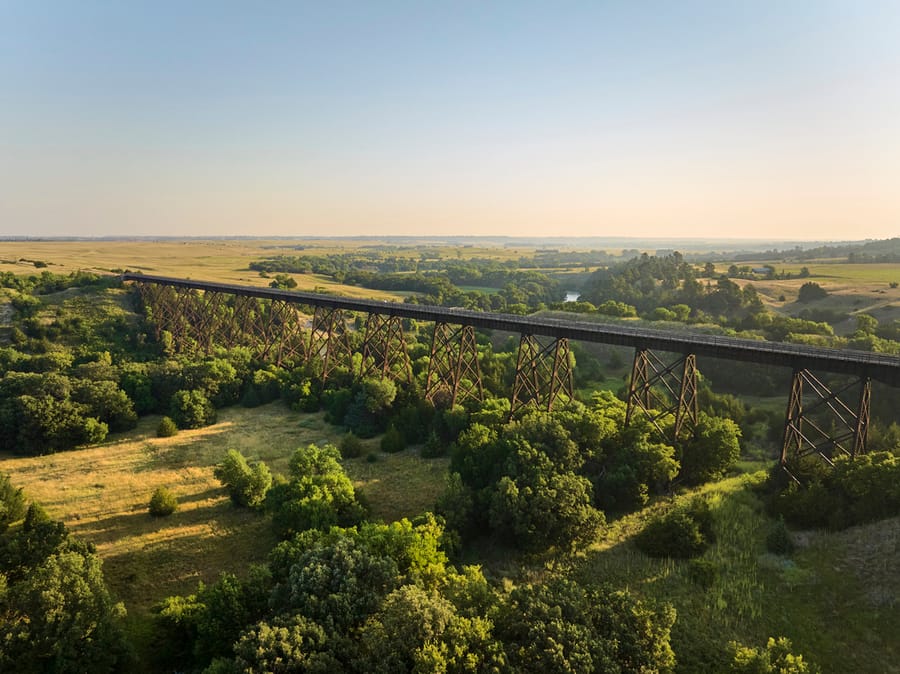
766,119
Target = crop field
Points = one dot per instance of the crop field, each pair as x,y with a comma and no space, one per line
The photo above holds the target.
102,493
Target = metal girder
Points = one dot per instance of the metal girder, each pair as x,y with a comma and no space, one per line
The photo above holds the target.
828,425
658,390
384,349
453,370
328,339
543,373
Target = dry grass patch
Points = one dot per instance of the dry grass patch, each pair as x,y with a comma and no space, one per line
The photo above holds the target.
399,485
102,494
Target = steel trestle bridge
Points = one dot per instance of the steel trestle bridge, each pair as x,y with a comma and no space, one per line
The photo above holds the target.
204,313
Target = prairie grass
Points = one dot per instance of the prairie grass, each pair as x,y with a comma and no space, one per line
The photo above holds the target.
837,597
102,494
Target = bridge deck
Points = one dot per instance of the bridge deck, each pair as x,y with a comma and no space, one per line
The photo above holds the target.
880,367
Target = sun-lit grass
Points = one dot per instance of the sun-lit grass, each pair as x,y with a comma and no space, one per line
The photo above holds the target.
102,494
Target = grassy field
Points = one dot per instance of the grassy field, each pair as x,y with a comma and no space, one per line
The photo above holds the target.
102,494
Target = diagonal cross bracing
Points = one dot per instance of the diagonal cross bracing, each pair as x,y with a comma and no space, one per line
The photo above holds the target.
828,425
384,349
453,370
543,373
661,390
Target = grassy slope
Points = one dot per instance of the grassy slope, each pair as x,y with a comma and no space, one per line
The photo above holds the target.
835,597
102,493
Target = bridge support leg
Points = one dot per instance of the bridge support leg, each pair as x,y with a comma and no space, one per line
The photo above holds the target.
543,373
826,426
384,349
328,339
657,390
453,370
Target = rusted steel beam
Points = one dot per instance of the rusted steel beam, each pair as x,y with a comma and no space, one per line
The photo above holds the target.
659,390
328,340
384,349
543,374
453,370
828,426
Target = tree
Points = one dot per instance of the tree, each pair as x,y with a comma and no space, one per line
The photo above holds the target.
166,428
712,451
418,630
192,409
811,291
775,659
247,486
286,645
12,503
318,495
562,627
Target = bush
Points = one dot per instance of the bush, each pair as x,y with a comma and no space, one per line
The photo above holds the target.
433,447
192,409
681,533
163,503
246,485
351,446
778,539
703,572
166,428
775,659
392,441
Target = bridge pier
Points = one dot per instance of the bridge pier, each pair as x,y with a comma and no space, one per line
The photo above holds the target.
543,373
453,369
328,340
805,431
679,391
384,349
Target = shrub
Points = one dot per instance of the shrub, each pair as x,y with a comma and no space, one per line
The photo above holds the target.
775,659
163,503
392,441
166,428
192,409
778,539
682,533
246,485
351,446
703,572
433,447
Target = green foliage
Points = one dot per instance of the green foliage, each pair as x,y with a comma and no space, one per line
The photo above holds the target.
163,502
392,441
713,449
683,532
166,428
318,495
419,630
854,491
778,540
247,486
12,503
286,644
775,659
57,612
563,627
192,409
351,446
811,291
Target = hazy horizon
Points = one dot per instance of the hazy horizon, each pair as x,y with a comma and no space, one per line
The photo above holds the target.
701,120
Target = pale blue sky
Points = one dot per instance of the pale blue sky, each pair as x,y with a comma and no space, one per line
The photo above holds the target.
700,119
